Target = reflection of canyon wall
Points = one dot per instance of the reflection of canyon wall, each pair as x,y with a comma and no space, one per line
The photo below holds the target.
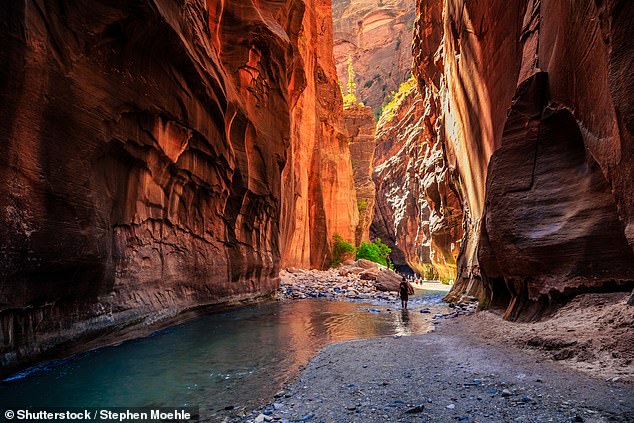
547,190
417,213
319,195
377,35
141,154
361,131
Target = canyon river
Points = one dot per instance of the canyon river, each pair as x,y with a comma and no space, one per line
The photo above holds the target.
238,358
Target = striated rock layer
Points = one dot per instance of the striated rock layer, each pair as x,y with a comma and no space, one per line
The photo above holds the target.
319,194
377,37
536,109
141,152
362,130
417,212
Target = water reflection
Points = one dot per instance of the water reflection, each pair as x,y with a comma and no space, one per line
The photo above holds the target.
237,358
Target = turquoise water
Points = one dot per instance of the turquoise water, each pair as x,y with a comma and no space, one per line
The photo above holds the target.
238,358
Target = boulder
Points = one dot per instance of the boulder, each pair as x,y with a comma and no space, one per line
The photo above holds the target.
347,270
367,264
368,275
387,280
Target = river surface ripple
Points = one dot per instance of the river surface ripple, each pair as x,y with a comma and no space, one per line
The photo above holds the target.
238,358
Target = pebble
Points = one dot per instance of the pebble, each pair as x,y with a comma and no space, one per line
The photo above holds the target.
506,393
451,406
418,409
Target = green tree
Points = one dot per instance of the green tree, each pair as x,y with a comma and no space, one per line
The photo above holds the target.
350,98
375,251
340,249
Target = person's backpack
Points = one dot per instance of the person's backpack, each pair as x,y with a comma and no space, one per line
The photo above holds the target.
410,289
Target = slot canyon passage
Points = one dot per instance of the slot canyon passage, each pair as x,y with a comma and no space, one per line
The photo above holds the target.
212,204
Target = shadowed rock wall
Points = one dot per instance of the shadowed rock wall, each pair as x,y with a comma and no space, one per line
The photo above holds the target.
417,212
362,130
142,145
546,187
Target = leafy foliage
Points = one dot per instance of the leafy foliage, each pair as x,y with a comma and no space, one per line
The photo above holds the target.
388,111
362,205
350,96
374,251
340,249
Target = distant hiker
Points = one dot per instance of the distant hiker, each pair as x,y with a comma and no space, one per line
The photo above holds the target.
404,290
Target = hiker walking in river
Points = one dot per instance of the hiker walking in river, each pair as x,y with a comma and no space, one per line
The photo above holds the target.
405,289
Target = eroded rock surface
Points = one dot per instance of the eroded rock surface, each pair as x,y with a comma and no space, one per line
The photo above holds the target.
418,214
141,152
544,187
377,37
319,198
361,131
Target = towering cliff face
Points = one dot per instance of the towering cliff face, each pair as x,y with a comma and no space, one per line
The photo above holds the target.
319,193
376,35
546,187
141,152
417,212
361,131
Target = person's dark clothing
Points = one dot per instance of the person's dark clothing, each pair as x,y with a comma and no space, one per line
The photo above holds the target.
404,290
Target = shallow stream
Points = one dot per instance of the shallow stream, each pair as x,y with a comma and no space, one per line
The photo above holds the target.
238,358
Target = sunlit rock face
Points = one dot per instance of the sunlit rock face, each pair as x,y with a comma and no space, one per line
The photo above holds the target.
417,212
536,104
377,36
361,131
142,146
319,197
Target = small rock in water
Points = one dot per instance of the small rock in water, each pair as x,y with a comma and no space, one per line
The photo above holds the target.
506,393
260,418
229,407
307,417
451,406
277,405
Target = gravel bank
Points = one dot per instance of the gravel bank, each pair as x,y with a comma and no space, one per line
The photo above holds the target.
452,374
574,367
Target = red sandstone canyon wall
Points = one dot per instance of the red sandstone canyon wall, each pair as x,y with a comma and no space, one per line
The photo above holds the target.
142,146
418,214
319,198
361,131
536,104
376,35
